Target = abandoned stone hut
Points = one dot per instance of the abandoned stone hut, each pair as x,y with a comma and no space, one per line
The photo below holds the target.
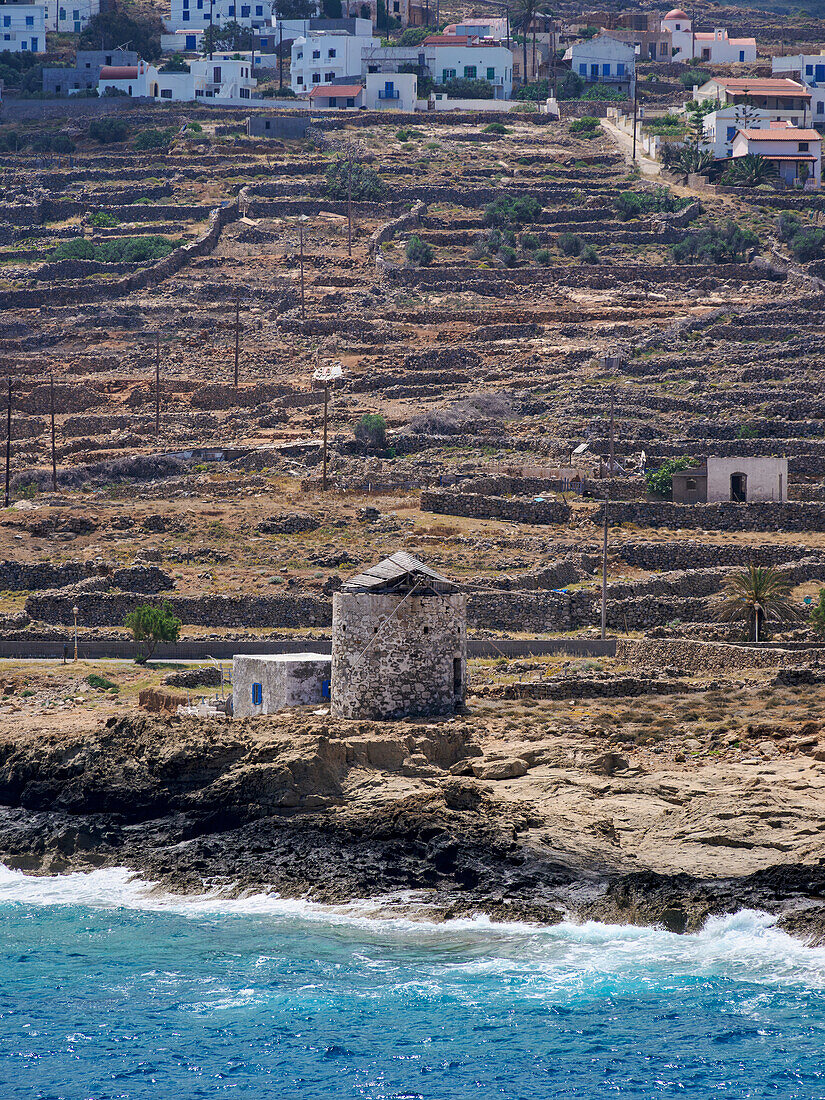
399,642
739,480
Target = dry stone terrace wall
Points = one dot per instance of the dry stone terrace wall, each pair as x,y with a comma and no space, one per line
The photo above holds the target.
790,516
689,554
697,656
446,502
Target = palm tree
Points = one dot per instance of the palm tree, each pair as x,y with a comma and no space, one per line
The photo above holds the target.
757,594
750,170
694,159
522,14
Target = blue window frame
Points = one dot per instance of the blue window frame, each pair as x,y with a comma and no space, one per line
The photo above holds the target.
245,10
264,43
731,133
185,17
191,42
6,20
259,10
582,70
819,72
605,70
325,689
741,55
35,45
29,20
594,70
809,70
620,68
257,695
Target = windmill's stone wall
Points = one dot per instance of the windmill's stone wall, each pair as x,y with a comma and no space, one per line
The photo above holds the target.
391,658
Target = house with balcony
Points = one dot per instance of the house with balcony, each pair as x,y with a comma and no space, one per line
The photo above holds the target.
783,99
222,82
714,46
322,57
23,28
445,57
796,152
720,127
196,15
605,60
807,69
397,92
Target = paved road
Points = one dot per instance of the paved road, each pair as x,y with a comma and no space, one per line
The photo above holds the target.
198,651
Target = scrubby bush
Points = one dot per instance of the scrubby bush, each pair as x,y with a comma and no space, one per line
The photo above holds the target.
507,255
660,481
570,244
464,88
150,625
365,185
419,252
806,242
402,135
496,128
529,242
509,211
120,250
100,219
371,432
715,245
570,86
603,94
536,92
635,204
694,76
108,131
73,249
154,139
589,254
543,256
586,125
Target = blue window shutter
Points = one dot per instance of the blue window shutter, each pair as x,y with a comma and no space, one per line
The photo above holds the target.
582,70
257,695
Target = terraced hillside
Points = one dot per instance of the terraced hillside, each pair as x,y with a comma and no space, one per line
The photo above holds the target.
499,355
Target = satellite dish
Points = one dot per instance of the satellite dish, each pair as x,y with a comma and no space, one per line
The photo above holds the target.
329,372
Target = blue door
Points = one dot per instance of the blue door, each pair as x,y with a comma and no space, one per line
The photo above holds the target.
819,72
191,42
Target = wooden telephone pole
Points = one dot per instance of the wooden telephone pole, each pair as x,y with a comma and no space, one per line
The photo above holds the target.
51,416
157,383
604,574
612,436
8,442
237,334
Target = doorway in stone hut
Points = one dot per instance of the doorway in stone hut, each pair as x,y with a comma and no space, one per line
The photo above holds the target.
739,488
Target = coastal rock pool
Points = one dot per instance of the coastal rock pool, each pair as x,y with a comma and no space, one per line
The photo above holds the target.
111,991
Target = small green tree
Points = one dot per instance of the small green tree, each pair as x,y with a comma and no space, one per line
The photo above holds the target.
818,614
108,130
150,625
660,481
419,252
345,177
371,432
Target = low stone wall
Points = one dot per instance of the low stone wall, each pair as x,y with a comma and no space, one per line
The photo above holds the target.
790,516
613,688
688,554
449,503
405,221
109,609
697,656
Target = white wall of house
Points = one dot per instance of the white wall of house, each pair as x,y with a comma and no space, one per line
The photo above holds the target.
70,16
767,478
226,82
809,69
720,127
783,101
195,14
605,60
715,46
491,63
394,92
792,146
23,28
321,57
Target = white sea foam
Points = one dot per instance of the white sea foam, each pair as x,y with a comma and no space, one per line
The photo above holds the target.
744,947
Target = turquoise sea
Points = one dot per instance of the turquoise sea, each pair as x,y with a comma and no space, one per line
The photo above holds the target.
108,990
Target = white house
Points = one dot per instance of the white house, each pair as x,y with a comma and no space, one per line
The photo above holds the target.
228,82
463,57
797,153
809,69
715,46
721,126
495,27
784,100
321,57
23,28
397,92
198,14
70,16
605,60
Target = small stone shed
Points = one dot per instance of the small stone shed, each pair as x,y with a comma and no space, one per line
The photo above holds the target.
266,683
399,642
742,480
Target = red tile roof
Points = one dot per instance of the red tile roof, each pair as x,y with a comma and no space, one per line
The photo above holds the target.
328,90
762,86
118,72
782,133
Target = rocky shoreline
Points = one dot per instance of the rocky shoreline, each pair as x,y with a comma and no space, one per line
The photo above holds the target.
307,810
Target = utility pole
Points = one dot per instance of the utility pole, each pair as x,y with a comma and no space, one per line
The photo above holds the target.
211,29
612,435
280,53
51,413
326,418
157,383
302,219
237,333
8,443
604,574
634,114
349,202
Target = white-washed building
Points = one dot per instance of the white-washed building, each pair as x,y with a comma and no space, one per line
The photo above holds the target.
605,60
322,57
23,28
796,152
229,82
267,683
720,128
70,16
808,69
714,46
394,92
447,57
784,100
197,14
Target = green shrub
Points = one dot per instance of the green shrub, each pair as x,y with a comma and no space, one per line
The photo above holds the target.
371,432
586,124
694,76
529,242
419,252
570,244
635,204
402,135
119,250
806,241
101,683
589,254
195,127
73,249
495,128
507,255
570,86
536,92
154,139
716,246
464,88
101,219
506,211
747,433
366,186
108,131
604,94
543,256
661,480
